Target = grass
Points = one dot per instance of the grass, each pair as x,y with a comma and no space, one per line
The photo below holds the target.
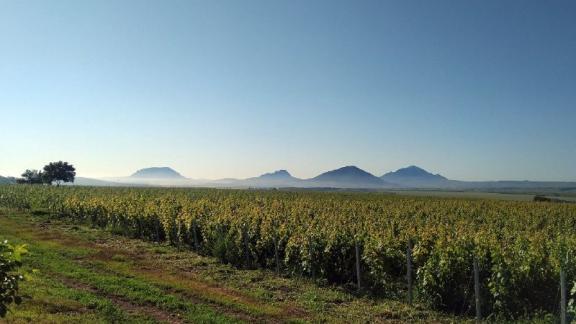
93,276
47,299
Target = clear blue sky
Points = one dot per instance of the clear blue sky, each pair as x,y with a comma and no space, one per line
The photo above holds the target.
470,89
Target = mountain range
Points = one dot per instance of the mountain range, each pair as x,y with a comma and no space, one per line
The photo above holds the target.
348,177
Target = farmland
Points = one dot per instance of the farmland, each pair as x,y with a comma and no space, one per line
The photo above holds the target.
351,247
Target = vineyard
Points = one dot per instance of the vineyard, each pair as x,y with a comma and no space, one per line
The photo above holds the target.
369,241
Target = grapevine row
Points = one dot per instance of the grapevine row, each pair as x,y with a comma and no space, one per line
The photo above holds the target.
520,247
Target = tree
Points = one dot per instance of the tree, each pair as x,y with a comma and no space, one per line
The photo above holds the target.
59,172
32,177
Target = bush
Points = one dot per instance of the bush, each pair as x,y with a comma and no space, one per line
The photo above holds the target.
10,261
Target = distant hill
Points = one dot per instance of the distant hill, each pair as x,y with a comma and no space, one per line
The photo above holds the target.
347,177
81,181
6,180
157,173
280,174
507,185
415,177
155,176
280,178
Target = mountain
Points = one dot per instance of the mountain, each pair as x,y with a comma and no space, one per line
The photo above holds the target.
156,176
277,175
347,177
157,173
5,180
276,179
415,177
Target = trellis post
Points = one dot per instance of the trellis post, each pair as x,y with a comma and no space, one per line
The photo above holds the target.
409,270
563,319
358,274
246,249
311,252
276,257
195,235
477,290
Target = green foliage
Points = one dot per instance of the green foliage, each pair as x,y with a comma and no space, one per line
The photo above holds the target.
520,246
58,172
32,177
572,304
10,261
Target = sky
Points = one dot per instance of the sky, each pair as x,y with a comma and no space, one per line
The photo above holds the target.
474,90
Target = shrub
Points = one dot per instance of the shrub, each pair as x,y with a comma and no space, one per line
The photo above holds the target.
10,261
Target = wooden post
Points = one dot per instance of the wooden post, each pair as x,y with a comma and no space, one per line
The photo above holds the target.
157,227
563,318
180,239
409,270
195,235
311,252
246,250
477,290
276,257
357,264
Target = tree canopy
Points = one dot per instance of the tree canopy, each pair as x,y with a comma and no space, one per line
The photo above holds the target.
59,172
32,177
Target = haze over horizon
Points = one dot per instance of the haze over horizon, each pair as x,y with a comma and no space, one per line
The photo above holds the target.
228,89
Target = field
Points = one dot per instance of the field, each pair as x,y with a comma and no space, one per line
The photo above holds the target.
89,275
199,255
